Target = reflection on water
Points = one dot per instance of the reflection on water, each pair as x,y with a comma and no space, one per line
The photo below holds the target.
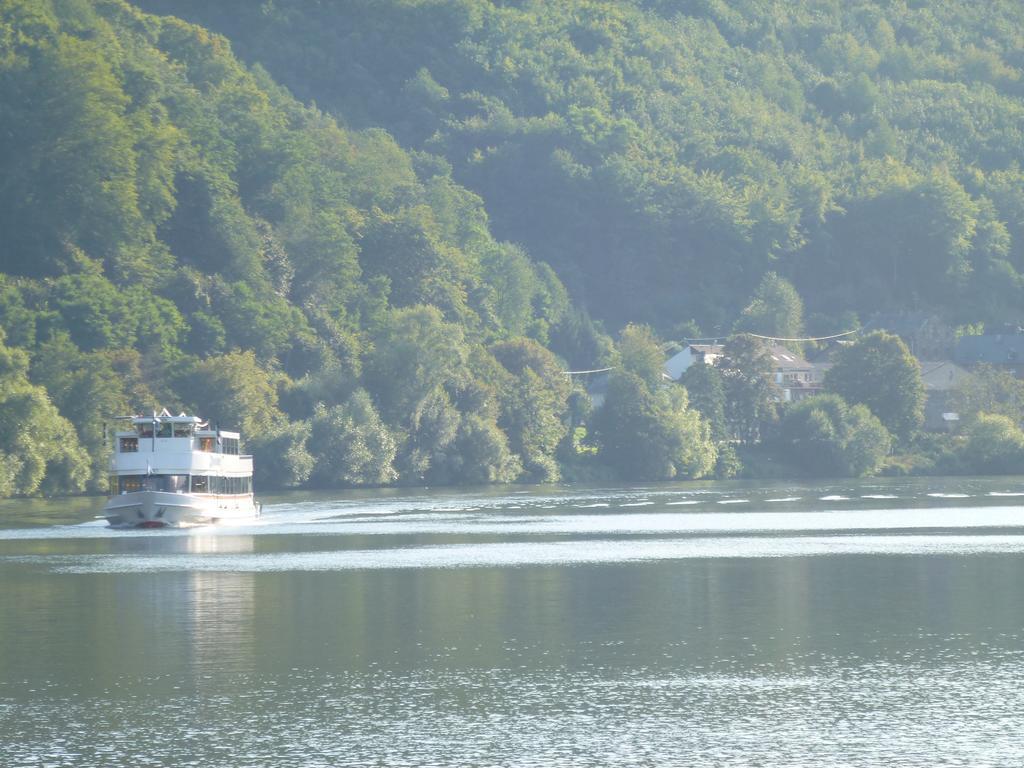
632,626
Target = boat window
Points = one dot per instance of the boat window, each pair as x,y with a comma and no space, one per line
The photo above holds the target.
229,445
183,430
166,429
146,429
130,483
171,483
200,484
206,444
129,444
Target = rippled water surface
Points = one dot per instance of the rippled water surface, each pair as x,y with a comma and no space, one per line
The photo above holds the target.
876,623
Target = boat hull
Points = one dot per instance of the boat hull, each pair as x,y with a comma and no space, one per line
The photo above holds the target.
158,509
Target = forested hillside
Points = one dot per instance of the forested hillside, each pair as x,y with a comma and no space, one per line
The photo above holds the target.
178,230
372,234
663,155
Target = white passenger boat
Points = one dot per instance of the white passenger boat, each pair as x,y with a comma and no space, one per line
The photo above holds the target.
176,471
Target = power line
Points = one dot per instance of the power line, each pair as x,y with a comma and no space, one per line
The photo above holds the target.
775,338
715,339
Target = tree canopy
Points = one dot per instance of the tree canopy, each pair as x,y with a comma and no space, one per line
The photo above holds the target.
665,157
408,218
825,436
879,371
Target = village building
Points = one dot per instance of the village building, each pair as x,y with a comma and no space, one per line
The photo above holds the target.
925,334
795,377
680,362
940,379
1000,350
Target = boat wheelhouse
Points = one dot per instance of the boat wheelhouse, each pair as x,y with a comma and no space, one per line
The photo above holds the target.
175,471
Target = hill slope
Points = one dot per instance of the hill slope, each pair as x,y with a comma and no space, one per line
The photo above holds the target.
178,229
664,156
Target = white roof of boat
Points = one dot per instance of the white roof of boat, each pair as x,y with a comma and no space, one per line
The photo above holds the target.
164,415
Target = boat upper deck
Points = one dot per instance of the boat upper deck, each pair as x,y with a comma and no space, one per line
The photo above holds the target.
162,442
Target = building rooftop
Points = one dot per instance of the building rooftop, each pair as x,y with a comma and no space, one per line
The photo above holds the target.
942,375
993,348
786,359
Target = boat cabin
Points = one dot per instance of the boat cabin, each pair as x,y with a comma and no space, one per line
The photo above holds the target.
178,454
178,428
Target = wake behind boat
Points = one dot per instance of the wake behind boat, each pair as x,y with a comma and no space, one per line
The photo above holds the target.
175,471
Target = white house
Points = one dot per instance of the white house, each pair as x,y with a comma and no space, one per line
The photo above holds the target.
680,362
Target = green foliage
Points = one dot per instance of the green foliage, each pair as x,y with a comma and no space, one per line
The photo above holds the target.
879,371
39,447
663,155
750,392
88,389
994,444
825,436
179,229
775,310
989,390
640,354
233,391
281,457
534,396
646,434
705,385
480,454
351,445
415,354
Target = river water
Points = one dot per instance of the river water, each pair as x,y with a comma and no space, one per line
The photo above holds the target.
874,623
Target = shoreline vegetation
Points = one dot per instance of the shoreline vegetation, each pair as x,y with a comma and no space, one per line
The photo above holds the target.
374,237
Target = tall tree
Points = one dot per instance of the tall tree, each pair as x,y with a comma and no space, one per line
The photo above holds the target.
775,310
994,444
351,445
992,391
39,449
750,392
879,371
825,436
640,353
706,388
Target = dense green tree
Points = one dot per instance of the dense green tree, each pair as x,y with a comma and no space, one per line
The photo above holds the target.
534,405
640,353
39,449
705,386
351,445
879,371
651,434
234,392
415,354
750,392
89,389
281,457
825,436
428,440
775,310
995,444
991,391
480,454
